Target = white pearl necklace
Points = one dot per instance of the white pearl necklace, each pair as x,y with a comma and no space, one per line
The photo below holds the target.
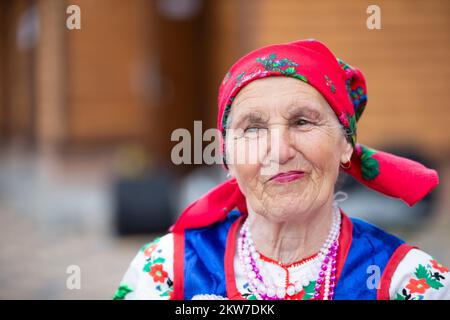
309,269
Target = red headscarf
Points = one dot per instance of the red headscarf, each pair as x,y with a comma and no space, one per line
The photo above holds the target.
344,88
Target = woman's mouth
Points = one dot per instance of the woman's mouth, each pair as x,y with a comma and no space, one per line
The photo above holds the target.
288,176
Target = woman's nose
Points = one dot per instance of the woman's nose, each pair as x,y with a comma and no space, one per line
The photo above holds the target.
281,144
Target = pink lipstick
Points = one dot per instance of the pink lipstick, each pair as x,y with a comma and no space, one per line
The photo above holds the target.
288,176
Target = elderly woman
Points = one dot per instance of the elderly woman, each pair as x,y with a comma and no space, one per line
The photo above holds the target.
274,230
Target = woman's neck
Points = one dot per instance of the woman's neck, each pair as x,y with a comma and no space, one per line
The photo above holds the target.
293,240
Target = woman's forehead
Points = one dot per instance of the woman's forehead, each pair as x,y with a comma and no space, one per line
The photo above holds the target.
278,93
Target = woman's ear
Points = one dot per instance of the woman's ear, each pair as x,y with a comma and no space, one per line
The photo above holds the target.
347,153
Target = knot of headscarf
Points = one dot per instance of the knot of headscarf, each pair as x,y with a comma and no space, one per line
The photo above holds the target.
345,90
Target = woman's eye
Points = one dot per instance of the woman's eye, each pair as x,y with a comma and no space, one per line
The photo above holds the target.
254,132
251,129
302,122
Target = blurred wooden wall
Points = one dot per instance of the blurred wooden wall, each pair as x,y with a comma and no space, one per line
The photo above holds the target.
107,62
131,75
17,90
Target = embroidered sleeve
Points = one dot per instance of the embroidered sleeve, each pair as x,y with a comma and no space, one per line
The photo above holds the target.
420,277
150,273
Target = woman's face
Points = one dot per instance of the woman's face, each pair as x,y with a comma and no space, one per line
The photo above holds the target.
284,145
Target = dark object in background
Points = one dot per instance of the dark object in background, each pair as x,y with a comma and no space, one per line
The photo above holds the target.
143,204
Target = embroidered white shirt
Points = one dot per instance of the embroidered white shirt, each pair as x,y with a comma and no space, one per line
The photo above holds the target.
150,276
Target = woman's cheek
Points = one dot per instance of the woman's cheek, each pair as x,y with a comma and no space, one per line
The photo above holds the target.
320,150
247,177
243,152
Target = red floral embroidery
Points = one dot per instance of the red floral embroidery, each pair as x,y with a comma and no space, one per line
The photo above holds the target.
438,266
418,286
149,250
157,273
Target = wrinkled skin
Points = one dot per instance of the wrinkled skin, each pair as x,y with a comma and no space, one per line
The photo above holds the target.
286,124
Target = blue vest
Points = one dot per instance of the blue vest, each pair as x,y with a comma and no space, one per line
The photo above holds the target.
204,251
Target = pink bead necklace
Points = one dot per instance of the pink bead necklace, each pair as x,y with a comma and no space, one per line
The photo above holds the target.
322,268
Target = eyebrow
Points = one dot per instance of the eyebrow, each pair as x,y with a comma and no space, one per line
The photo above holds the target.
251,117
297,111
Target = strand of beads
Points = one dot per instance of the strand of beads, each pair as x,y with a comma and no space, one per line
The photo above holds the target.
324,264
247,253
327,273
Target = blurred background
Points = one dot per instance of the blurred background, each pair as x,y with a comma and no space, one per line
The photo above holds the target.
86,117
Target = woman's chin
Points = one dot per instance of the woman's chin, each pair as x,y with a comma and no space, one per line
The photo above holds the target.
282,211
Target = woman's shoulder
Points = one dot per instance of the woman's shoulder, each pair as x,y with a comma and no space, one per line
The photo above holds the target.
159,244
373,237
415,274
150,273
419,276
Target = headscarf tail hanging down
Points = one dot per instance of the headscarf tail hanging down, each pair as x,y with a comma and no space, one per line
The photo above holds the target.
345,90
